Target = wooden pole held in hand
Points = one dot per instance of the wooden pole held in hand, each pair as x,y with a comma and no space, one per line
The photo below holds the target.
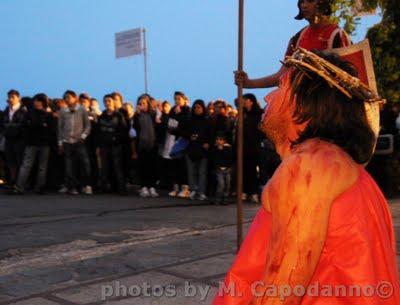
239,139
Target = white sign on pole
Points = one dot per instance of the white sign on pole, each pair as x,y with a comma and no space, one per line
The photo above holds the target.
128,43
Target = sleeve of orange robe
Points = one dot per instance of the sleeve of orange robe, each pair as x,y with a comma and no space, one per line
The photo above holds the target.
249,265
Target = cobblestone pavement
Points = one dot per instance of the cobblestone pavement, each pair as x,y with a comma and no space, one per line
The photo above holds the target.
105,249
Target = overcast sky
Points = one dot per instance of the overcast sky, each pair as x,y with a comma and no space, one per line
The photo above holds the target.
50,46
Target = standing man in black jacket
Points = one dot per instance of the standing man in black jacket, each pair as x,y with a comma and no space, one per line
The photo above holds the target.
252,137
38,126
14,118
109,138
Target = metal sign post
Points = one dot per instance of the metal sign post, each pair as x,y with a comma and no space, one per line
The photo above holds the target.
145,61
131,43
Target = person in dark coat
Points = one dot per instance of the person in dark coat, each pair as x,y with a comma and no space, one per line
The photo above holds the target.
176,168
388,120
38,126
161,131
85,101
14,119
220,124
197,131
3,169
145,149
252,137
108,136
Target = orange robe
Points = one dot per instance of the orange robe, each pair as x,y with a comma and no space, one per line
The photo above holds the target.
359,250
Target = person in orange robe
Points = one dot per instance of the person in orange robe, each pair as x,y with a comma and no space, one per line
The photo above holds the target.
324,234
321,34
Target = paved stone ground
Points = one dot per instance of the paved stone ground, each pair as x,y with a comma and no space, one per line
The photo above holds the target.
92,250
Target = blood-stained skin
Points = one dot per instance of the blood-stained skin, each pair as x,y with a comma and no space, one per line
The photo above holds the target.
299,197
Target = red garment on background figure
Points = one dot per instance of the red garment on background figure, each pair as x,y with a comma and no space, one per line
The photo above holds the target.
322,37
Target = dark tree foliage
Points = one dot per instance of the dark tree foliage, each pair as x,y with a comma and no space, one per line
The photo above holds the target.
384,38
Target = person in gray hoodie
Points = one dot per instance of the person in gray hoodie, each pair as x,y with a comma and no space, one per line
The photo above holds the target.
73,130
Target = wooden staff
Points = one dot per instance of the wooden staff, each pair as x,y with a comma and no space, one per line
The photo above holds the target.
240,132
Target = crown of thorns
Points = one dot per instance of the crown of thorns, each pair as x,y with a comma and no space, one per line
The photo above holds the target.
351,86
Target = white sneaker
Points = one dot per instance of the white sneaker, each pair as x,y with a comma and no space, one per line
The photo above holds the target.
254,198
153,193
202,197
87,190
192,195
185,193
144,192
73,192
63,190
175,191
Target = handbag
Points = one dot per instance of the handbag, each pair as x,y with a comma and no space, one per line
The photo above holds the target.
179,148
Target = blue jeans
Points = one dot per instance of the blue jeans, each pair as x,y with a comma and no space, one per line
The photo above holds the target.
197,174
76,157
30,155
223,182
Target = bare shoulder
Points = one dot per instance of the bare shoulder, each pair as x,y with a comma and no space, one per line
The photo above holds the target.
315,170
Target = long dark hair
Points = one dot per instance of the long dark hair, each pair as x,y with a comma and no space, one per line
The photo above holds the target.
256,108
331,115
324,7
147,98
202,105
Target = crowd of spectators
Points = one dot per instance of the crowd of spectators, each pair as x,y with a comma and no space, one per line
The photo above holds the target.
70,144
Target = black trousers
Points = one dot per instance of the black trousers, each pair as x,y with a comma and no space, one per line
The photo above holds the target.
14,153
77,165
176,171
111,165
148,167
250,174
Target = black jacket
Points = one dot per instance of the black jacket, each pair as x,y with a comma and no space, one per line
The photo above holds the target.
39,127
197,131
1,122
181,117
14,129
252,136
221,125
139,130
110,129
161,129
224,157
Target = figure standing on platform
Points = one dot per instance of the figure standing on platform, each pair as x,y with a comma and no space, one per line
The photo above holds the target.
321,34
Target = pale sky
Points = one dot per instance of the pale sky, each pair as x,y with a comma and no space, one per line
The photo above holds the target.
50,46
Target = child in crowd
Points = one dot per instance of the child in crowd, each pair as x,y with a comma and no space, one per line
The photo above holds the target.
223,162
